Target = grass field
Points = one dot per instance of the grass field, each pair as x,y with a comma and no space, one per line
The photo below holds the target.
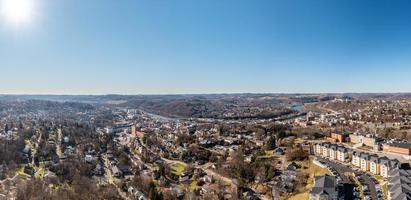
177,169
313,170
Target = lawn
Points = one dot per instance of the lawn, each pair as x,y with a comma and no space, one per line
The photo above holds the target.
385,190
358,184
20,172
313,170
267,154
177,168
193,186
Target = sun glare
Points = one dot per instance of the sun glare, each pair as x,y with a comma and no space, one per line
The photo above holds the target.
17,12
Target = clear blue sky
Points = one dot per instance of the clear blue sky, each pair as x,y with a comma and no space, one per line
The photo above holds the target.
208,46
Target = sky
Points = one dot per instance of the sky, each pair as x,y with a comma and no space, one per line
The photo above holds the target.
206,46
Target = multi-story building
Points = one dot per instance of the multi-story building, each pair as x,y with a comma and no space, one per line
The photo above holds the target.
325,149
342,154
356,158
318,149
386,165
364,162
374,164
367,140
333,152
398,147
339,137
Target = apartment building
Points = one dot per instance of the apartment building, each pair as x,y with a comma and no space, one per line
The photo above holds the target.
364,162
333,151
356,158
342,154
374,164
386,165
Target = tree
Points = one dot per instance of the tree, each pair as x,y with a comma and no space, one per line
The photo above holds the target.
271,143
293,154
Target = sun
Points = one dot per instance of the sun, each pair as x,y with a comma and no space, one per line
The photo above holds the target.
17,11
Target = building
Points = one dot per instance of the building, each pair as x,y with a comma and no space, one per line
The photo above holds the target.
356,158
364,162
398,147
374,164
367,140
386,165
333,152
133,131
342,154
325,188
325,150
399,184
318,149
339,137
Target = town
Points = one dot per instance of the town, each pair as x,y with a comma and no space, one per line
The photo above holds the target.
103,150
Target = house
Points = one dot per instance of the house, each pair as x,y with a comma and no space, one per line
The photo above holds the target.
325,188
375,164
89,158
99,169
116,171
126,172
293,166
139,195
279,151
29,170
66,139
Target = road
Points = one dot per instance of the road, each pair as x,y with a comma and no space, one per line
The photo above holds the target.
341,169
110,178
58,144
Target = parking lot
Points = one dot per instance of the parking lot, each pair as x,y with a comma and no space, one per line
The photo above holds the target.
371,188
347,187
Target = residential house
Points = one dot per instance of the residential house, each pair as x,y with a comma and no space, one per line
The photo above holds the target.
325,188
